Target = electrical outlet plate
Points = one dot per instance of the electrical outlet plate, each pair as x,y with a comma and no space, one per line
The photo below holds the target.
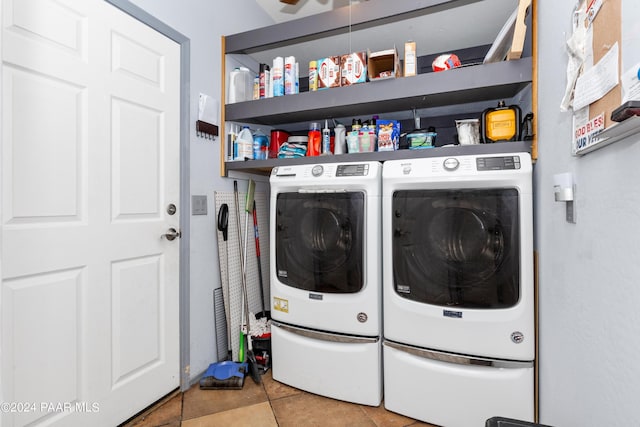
198,205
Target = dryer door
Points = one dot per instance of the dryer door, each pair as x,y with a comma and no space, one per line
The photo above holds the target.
457,248
319,241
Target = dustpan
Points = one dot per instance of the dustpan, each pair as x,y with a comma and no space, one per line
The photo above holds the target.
225,375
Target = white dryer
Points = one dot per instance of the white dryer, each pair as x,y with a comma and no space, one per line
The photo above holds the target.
326,279
458,292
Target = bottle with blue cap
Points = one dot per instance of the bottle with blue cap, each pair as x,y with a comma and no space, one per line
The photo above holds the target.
260,145
244,141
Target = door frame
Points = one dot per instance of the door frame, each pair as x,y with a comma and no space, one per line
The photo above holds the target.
185,169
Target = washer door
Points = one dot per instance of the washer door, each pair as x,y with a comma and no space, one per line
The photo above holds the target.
319,241
457,248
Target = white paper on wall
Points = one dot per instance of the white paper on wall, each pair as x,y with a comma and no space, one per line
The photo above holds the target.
208,109
577,47
631,84
598,80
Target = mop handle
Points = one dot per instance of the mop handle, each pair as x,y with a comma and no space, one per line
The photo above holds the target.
255,229
241,353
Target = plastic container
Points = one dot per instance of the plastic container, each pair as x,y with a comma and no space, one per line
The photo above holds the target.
313,76
290,82
260,145
244,142
326,139
340,140
315,140
468,131
365,140
353,145
232,148
277,73
240,85
421,138
373,131
278,137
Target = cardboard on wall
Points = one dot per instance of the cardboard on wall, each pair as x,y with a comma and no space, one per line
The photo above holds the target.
607,30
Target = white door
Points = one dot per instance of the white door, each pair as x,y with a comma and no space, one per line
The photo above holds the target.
90,163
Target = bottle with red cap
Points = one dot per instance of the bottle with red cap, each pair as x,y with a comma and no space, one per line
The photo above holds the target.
315,140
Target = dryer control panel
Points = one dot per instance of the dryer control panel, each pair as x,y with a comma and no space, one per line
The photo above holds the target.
497,163
353,170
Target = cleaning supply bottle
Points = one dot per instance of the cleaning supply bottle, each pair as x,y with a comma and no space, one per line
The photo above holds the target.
339,139
260,145
364,137
244,141
315,140
326,139
232,147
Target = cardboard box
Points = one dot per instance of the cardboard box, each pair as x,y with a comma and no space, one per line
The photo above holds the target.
353,68
383,64
410,59
328,72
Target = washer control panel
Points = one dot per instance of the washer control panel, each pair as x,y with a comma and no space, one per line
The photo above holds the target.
497,163
353,170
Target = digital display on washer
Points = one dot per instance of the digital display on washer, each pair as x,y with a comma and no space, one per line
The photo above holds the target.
352,170
497,163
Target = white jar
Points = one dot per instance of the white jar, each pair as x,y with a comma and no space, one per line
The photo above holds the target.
240,85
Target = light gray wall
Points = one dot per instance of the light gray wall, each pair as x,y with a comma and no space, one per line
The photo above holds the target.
590,271
204,22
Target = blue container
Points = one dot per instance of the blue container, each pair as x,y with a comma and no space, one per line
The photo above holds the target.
260,146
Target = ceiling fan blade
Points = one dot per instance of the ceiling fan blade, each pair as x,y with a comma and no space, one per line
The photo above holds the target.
290,1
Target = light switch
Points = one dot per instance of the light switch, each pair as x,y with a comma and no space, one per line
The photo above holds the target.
198,205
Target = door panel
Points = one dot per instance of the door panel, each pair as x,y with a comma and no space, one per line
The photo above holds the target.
53,147
90,160
136,316
136,149
42,312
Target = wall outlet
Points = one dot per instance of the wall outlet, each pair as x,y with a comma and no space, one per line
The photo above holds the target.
198,205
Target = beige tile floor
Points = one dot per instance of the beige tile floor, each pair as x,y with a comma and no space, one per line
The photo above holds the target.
269,404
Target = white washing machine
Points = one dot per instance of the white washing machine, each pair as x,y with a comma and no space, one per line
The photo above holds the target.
458,292
326,279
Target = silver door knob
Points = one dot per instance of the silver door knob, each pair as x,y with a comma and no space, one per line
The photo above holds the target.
171,234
